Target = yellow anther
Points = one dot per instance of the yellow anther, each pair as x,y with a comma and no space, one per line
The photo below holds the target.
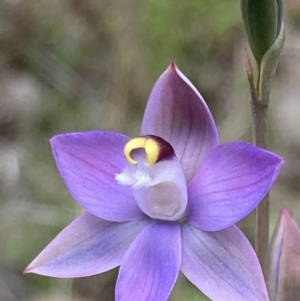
131,145
150,146
152,150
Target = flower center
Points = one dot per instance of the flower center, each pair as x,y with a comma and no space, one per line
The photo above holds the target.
156,178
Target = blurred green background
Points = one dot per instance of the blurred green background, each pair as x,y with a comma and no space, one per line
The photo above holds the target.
77,65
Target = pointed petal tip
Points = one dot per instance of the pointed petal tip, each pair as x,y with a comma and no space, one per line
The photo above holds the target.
284,213
60,139
32,267
172,69
281,161
172,66
286,219
55,140
28,270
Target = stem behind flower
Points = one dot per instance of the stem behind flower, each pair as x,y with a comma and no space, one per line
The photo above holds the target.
259,127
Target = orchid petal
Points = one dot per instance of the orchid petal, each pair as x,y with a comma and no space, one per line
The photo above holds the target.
88,163
222,264
229,184
177,113
151,265
88,246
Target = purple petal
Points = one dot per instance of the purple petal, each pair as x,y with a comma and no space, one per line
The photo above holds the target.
88,246
222,264
231,181
88,163
177,113
151,265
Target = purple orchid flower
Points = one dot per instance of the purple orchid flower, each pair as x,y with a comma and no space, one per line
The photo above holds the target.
169,204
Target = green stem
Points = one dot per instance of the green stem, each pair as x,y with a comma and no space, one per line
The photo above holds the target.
259,109
259,127
260,94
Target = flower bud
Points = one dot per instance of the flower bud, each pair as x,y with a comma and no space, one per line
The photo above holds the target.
284,256
262,20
